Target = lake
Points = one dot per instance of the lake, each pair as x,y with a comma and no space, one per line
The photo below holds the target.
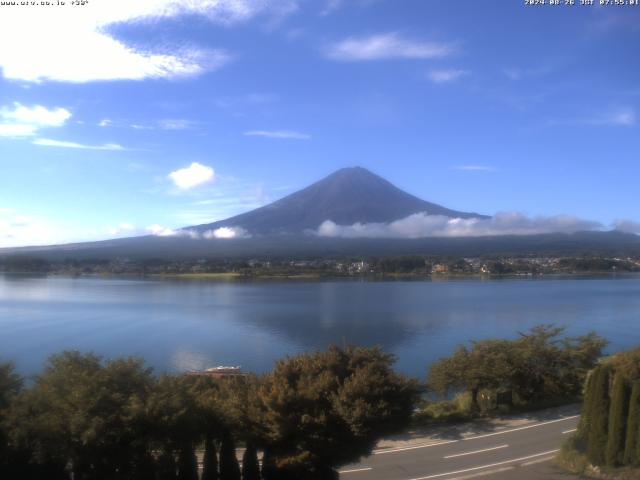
183,325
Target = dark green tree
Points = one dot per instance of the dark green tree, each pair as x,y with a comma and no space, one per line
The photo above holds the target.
618,413
210,460
268,470
167,467
86,414
537,366
597,404
187,463
10,387
327,409
229,467
487,365
250,465
632,446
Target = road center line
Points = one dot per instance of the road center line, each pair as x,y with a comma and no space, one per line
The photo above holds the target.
355,470
477,451
414,447
486,466
521,428
446,442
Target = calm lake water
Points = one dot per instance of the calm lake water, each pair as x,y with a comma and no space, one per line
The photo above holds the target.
181,325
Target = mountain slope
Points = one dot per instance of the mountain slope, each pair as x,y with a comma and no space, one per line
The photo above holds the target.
347,196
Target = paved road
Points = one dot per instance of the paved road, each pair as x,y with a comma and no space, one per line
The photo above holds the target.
523,452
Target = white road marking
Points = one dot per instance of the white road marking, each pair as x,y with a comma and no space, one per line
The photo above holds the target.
521,428
533,462
484,474
414,447
570,431
356,470
477,451
487,466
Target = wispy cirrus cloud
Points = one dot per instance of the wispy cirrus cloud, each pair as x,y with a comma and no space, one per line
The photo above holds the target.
623,117
446,75
97,55
280,134
22,121
47,142
386,46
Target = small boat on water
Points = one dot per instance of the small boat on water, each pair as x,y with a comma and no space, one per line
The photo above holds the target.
221,371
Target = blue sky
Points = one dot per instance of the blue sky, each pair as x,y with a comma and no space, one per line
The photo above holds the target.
121,117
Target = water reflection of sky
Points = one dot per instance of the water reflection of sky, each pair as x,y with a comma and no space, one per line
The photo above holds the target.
191,325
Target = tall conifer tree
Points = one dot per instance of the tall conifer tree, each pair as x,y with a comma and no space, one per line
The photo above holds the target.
598,415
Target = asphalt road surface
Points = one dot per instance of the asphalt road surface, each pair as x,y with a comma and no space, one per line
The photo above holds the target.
520,453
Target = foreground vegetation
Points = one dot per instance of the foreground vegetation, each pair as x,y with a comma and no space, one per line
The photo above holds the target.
89,419
115,420
540,368
608,438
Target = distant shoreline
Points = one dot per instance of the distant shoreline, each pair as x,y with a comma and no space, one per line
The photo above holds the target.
316,277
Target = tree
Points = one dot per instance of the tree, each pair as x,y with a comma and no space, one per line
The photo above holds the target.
488,365
10,387
187,463
229,468
210,460
327,409
167,468
632,446
537,366
84,413
618,413
250,465
597,404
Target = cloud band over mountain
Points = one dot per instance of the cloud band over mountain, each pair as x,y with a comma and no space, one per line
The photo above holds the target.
420,225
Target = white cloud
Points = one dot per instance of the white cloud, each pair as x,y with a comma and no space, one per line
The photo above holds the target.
628,226
36,115
122,229
105,123
474,168
222,233
22,121
192,176
47,142
160,231
226,233
175,124
18,230
421,225
12,130
445,76
386,46
622,117
331,6
73,44
282,134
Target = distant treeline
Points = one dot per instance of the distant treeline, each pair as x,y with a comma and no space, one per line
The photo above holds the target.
415,265
89,419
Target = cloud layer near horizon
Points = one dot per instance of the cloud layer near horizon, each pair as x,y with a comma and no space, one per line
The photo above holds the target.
420,225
